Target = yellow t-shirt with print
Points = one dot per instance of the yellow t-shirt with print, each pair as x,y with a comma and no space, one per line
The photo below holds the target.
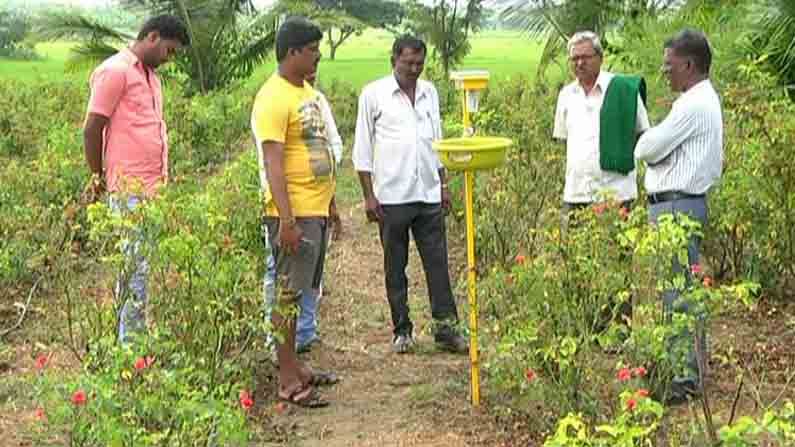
291,115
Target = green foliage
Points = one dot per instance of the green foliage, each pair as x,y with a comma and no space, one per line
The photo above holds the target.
446,26
516,200
342,19
755,234
206,131
557,21
226,46
635,425
147,395
772,36
14,28
773,428
201,239
204,317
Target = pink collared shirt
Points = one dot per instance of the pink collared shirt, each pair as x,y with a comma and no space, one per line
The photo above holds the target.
135,145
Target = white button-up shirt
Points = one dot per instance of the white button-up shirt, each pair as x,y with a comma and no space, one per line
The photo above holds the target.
685,152
577,120
393,141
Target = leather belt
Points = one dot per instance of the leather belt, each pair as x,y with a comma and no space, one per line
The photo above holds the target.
670,196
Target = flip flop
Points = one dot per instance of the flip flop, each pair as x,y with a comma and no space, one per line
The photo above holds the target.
323,378
306,397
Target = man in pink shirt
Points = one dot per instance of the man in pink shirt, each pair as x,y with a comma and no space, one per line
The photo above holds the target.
125,142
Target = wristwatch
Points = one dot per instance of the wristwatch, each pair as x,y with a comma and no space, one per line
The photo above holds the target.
290,222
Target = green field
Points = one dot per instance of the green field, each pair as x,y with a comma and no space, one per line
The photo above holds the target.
366,57
360,60
51,63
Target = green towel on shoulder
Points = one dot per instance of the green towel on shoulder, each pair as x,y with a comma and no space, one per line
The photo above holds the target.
617,123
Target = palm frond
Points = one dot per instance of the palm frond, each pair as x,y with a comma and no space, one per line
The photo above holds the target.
196,8
69,25
527,17
88,54
773,36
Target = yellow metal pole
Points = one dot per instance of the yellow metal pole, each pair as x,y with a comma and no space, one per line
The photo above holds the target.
465,109
469,178
469,184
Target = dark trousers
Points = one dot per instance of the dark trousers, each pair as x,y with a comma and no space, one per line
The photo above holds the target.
685,341
426,222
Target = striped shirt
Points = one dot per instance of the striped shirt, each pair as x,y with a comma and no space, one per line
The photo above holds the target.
684,153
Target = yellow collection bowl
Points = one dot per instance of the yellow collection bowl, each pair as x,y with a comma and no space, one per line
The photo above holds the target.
471,153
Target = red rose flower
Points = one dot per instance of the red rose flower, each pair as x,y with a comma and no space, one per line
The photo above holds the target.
245,400
79,397
599,208
41,361
40,414
696,269
639,371
520,259
530,375
624,374
642,393
631,404
140,363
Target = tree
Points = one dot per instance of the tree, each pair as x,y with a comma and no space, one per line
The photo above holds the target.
341,19
772,36
556,20
227,40
446,25
13,29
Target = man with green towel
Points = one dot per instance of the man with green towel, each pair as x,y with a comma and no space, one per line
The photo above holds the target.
600,115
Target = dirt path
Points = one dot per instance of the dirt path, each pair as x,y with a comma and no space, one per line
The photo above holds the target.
384,399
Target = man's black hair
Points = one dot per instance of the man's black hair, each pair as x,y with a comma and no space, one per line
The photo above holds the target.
692,44
168,26
295,33
407,41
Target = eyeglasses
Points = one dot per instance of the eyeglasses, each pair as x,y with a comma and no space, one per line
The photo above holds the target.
582,57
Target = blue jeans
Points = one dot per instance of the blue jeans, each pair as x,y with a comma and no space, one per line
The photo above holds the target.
696,209
131,284
306,324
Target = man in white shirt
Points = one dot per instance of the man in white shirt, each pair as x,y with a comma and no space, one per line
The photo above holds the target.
684,155
577,120
306,333
405,189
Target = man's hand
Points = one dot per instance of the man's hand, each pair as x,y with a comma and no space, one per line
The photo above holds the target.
335,222
373,209
94,189
289,236
446,203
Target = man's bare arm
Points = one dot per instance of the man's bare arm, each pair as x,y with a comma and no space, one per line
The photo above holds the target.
273,154
92,141
371,205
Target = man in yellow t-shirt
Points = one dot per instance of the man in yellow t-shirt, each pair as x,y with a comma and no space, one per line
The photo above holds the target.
289,127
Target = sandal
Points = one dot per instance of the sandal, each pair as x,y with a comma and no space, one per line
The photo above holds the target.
323,378
305,396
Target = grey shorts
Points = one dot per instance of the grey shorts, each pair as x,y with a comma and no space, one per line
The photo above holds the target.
302,270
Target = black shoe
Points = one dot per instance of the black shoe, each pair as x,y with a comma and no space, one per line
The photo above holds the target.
452,342
403,344
682,392
306,347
